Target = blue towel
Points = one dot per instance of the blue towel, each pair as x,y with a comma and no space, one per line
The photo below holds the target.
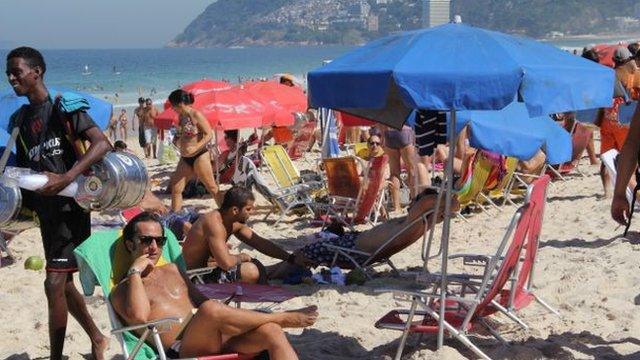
72,102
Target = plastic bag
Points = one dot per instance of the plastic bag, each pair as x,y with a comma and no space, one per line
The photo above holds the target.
168,153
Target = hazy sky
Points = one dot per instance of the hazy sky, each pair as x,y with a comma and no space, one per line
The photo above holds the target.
95,24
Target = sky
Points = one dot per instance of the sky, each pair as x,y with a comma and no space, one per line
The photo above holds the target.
95,24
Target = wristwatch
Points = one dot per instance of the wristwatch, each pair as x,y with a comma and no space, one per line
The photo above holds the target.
133,271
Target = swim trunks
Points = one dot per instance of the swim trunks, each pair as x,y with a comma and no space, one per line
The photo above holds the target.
219,276
319,254
190,160
398,139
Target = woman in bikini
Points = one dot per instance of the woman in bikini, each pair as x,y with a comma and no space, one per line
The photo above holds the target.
122,121
194,136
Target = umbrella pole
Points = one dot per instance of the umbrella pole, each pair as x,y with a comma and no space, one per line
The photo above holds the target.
446,226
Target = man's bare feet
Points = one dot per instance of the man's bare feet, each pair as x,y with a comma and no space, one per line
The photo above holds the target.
299,318
99,347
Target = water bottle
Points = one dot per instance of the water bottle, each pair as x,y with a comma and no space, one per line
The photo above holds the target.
32,180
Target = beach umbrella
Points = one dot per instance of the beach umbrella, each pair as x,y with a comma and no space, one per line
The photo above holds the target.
605,53
228,109
201,86
353,120
100,110
455,67
511,132
330,147
281,100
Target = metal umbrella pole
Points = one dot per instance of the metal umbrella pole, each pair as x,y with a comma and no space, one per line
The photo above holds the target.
446,226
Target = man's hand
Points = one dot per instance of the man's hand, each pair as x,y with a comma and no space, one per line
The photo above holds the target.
244,257
620,209
144,264
55,184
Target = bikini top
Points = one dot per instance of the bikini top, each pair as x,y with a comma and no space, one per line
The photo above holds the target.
188,127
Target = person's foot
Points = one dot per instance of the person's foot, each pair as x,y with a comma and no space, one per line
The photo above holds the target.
99,347
299,318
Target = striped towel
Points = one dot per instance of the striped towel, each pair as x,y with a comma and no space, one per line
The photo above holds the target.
431,130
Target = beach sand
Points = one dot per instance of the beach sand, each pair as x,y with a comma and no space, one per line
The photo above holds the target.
585,270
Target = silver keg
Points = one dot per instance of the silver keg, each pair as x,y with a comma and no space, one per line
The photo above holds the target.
11,218
118,181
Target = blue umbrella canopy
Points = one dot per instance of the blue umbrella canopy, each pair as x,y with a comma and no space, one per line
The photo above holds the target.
458,67
100,110
512,132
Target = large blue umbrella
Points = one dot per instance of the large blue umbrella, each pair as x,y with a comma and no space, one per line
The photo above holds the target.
100,110
511,132
458,67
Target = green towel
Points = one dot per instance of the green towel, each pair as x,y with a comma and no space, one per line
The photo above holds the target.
101,262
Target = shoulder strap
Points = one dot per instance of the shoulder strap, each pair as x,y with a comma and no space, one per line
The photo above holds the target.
67,123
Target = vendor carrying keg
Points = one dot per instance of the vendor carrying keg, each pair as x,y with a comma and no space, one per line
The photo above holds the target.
45,143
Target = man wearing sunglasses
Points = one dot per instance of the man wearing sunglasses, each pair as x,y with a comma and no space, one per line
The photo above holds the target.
208,238
150,292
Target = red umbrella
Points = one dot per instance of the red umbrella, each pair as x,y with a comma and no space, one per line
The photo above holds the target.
201,86
282,100
352,120
232,108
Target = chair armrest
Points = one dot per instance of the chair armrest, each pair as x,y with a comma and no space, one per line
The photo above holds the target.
348,250
405,295
199,271
164,322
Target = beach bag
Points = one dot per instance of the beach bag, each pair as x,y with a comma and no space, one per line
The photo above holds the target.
167,152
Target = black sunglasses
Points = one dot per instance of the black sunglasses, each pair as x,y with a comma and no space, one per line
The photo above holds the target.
371,143
147,239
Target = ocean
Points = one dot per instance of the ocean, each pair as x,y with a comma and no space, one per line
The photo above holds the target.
155,73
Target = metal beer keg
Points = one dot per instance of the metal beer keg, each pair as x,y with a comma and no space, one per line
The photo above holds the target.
11,218
118,181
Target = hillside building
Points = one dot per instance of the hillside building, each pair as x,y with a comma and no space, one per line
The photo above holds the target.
435,12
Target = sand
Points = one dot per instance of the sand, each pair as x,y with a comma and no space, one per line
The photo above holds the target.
585,269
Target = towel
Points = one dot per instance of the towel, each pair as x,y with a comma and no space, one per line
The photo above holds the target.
71,102
103,260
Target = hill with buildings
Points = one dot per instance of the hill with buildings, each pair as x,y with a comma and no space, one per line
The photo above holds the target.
311,22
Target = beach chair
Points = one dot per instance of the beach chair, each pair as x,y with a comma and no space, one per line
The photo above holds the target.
580,137
503,189
473,181
284,199
469,299
302,141
343,186
284,172
99,264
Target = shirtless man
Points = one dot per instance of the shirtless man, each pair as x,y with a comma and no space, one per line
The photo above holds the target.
150,292
209,235
150,131
371,240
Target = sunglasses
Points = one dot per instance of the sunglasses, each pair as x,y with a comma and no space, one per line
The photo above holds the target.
146,240
372,143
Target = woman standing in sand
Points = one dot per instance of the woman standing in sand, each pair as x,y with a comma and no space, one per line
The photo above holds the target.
194,134
122,122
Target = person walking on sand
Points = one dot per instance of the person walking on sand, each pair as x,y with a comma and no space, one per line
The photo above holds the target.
150,131
139,113
122,124
44,147
194,135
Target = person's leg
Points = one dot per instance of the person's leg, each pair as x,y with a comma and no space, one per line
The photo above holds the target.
606,181
408,154
178,182
214,323
268,337
204,171
394,176
78,309
591,152
54,288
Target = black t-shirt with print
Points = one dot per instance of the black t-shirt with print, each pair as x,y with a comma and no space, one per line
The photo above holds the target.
43,144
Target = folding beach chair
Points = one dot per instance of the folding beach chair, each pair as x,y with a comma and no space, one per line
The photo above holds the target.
469,299
580,137
343,185
101,263
284,199
473,181
503,189
284,172
302,140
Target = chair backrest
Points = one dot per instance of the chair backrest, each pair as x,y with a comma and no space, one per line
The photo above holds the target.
475,178
360,148
302,140
247,175
537,198
342,177
282,169
580,140
102,262
372,188
510,164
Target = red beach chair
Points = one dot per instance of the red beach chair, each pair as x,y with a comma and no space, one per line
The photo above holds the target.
476,297
580,138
